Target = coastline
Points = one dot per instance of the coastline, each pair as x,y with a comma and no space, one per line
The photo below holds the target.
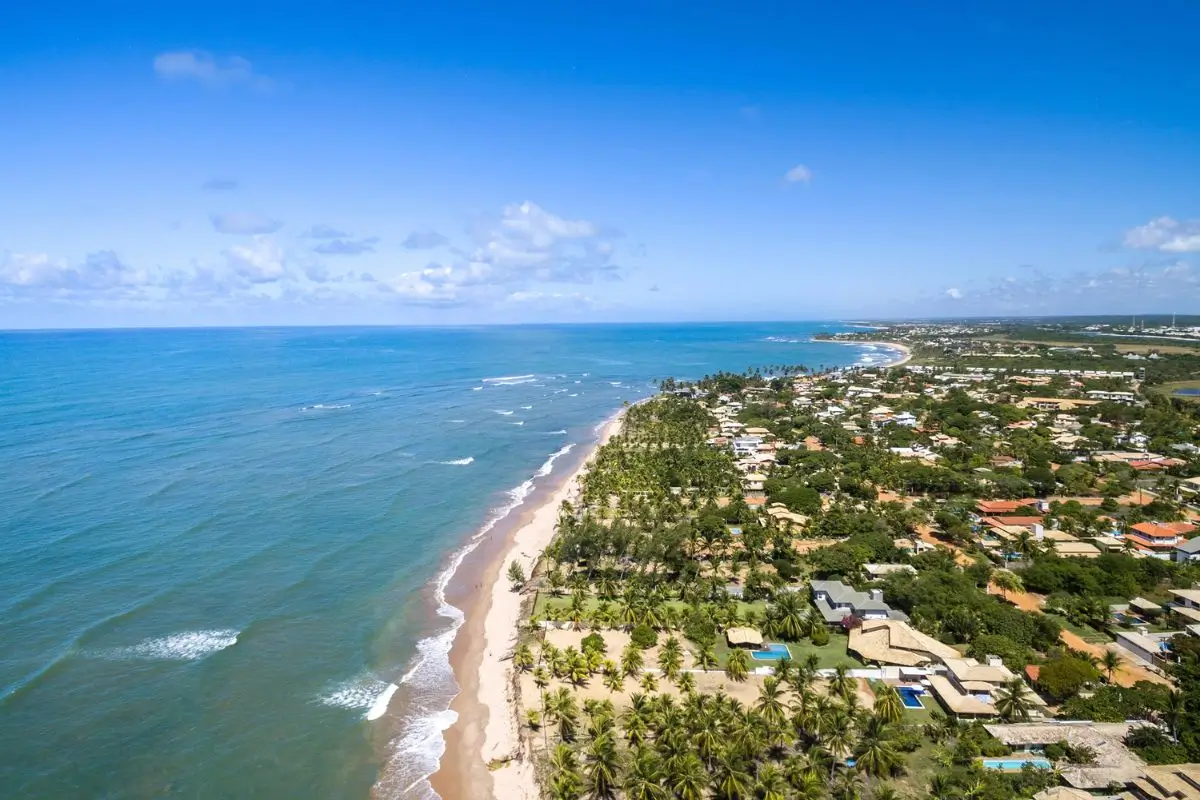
905,352
487,729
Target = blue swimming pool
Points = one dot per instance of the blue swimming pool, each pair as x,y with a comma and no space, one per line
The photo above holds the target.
910,696
1016,763
773,652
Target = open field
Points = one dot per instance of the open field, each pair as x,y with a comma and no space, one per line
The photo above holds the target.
1169,389
1121,346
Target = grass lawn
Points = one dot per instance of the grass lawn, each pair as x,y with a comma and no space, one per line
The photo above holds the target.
919,768
831,655
1085,632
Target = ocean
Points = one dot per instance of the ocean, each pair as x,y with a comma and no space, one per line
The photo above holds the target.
223,550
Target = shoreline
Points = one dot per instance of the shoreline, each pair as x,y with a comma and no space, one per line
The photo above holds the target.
487,728
904,350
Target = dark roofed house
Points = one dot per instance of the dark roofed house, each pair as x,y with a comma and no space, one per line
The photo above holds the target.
836,601
1188,551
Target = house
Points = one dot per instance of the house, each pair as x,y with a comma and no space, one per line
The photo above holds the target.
753,482
1158,539
1055,403
1153,648
990,508
892,642
1113,762
1188,550
836,601
1165,782
968,688
905,419
1186,604
744,637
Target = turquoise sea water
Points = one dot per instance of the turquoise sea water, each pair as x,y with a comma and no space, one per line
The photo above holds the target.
222,548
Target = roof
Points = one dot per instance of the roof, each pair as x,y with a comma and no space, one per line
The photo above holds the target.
1168,781
968,669
1114,762
957,702
741,636
1084,549
1187,594
1164,528
992,507
888,641
1191,546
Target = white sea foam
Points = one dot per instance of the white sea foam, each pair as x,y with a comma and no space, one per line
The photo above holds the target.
559,432
324,407
573,394
527,408
364,693
508,378
183,646
476,388
417,750
614,383
783,340
503,413
520,422
459,462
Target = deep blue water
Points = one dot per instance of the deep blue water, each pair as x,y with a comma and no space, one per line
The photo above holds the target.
219,546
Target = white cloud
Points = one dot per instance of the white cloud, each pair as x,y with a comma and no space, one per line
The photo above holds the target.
424,239
261,261
244,224
798,174
1166,234
204,68
954,293
321,231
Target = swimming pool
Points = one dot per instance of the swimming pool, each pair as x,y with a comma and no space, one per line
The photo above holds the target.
910,696
773,652
1015,763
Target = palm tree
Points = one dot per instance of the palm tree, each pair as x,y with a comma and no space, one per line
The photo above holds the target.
841,684
1013,700
670,657
706,659
1110,662
686,682
875,754
770,703
888,705
643,781
603,766
523,658
737,666
688,779
732,782
632,659
770,784
789,613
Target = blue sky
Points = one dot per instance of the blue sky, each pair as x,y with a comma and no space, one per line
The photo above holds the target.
481,162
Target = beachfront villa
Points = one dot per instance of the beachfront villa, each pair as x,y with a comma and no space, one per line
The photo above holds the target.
836,601
968,687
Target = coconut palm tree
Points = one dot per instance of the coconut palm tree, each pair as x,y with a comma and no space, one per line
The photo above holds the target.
1013,700
731,781
632,659
841,684
737,666
875,755
643,781
670,657
888,705
789,614
688,779
523,658
1110,662
1007,582
602,767
771,784
706,659
770,705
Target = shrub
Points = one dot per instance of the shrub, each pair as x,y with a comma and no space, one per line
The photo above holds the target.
1063,677
593,642
700,628
1155,746
820,637
644,637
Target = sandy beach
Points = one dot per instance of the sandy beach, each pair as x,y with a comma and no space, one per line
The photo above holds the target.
486,733
904,350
